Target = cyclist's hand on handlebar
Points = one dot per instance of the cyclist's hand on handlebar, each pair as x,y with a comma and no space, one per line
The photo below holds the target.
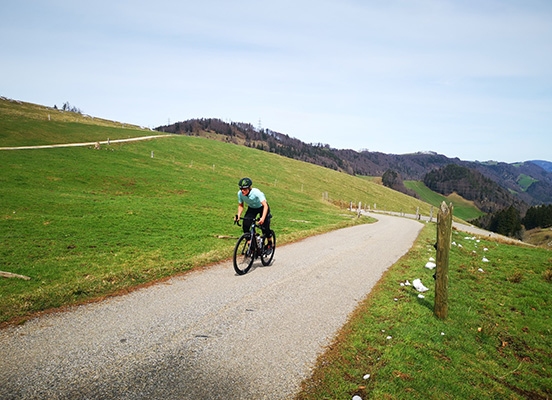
236,219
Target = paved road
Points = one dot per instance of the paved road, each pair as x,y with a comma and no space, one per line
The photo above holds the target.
474,230
209,334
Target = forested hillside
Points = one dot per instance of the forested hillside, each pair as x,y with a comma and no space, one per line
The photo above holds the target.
486,194
526,182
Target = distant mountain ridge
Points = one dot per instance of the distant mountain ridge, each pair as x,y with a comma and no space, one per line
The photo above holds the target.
546,165
529,182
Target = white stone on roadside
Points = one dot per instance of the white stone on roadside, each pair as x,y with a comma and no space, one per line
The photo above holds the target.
421,296
480,270
430,265
485,259
367,376
389,337
357,397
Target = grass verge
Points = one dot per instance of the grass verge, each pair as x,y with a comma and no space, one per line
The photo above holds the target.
495,343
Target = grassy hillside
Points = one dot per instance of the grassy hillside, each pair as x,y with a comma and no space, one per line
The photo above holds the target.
85,223
26,124
463,208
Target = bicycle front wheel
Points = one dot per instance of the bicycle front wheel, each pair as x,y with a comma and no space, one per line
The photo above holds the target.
268,253
243,255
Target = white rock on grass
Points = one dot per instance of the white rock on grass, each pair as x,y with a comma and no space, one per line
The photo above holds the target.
430,265
419,286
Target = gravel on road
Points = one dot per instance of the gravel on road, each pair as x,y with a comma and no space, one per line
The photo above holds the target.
208,334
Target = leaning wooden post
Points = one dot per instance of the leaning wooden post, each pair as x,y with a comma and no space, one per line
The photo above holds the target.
444,236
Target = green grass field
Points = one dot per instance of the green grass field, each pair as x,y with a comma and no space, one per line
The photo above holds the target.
463,209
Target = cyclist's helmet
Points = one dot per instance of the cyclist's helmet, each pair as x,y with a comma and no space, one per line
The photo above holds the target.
245,183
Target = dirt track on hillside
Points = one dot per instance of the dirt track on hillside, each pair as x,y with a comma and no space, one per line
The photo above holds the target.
102,142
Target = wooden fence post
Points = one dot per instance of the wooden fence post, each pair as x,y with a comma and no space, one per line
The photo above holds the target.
444,236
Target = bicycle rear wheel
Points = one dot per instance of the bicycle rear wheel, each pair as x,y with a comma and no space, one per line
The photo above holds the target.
243,255
267,256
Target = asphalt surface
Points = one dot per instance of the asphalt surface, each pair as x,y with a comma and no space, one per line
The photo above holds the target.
209,334
474,230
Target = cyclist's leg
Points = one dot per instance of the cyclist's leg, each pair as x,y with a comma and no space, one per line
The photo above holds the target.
248,218
266,227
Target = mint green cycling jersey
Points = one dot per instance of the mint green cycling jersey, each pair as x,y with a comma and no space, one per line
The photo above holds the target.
253,200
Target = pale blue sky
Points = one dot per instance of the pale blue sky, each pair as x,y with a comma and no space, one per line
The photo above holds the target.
468,79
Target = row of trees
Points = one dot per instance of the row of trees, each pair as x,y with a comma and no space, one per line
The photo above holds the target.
68,107
508,221
392,179
538,217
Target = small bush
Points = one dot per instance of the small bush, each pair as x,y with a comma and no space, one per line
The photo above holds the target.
516,277
547,275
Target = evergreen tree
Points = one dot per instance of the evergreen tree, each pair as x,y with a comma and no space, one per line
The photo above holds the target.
507,222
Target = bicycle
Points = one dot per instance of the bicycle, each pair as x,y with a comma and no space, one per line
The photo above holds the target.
251,246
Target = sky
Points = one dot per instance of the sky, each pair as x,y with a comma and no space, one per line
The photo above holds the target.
465,78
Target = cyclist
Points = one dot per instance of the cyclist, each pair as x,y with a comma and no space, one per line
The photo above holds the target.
256,205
